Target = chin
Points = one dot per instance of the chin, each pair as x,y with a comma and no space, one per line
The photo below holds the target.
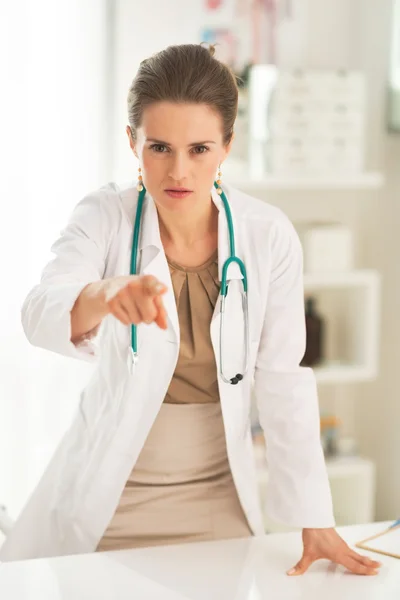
176,203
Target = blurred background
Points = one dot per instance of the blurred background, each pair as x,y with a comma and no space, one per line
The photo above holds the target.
317,134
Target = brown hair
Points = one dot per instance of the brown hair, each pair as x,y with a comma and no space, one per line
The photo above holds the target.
188,73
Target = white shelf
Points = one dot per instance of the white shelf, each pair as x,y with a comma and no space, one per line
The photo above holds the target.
364,181
345,279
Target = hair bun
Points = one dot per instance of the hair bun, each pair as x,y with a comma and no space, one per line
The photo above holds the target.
210,48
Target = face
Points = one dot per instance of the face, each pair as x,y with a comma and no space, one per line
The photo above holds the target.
179,146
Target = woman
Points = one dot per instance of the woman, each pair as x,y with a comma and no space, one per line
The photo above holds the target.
162,453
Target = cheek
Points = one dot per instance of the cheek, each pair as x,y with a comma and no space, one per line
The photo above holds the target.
208,167
152,169
212,172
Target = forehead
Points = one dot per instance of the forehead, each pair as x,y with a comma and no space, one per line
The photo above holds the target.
181,123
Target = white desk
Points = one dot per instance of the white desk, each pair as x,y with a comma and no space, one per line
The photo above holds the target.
247,569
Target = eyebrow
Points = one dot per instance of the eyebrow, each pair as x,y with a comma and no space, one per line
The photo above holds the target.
167,144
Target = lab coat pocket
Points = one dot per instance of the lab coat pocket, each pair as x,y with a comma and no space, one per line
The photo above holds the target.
254,345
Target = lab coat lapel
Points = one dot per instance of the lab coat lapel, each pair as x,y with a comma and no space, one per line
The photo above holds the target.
153,261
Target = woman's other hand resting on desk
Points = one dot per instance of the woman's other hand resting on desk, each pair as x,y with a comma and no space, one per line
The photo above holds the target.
327,543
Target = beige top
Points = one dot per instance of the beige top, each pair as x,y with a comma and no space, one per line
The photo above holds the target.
196,292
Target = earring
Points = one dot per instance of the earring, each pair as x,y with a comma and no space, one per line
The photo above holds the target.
219,189
139,186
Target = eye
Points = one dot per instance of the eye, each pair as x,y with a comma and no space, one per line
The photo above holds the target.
158,148
200,149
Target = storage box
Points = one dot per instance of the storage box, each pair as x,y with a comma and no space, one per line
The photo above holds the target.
328,248
296,156
316,123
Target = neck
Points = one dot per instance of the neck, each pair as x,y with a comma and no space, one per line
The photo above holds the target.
185,229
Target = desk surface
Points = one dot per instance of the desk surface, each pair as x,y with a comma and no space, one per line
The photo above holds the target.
245,569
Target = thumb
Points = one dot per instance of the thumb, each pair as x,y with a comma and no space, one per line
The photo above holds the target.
301,566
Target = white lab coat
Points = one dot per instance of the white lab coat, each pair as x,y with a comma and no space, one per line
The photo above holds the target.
76,497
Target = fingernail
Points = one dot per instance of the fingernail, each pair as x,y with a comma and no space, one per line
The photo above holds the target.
291,571
159,287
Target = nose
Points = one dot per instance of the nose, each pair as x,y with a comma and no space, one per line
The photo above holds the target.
179,165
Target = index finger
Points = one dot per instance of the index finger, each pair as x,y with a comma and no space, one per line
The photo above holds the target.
152,287
161,318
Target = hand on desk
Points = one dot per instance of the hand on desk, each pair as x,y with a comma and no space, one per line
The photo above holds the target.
327,543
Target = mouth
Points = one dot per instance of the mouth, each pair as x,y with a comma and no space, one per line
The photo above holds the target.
178,192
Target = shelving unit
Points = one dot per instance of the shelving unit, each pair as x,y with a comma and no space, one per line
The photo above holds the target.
363,306
352,480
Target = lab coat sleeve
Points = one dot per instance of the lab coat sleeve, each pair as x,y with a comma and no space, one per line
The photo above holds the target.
79,259
286,396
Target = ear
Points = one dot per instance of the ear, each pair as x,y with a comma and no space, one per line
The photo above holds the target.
132,143
227,149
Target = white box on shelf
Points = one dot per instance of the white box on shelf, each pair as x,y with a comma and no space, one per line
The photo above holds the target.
327,248
314,106
315,155
346,124
326,85
348,85
301,84
316,122
324,124
296,155
344,157
289,124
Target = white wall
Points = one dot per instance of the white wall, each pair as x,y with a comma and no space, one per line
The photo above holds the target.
53,151
335,34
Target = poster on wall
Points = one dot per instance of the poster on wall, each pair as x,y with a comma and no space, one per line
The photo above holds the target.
254,31
226,44
213,4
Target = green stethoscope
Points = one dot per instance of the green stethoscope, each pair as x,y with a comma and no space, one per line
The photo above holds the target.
223,290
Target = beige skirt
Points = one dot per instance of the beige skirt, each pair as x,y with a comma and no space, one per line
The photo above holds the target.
181,488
